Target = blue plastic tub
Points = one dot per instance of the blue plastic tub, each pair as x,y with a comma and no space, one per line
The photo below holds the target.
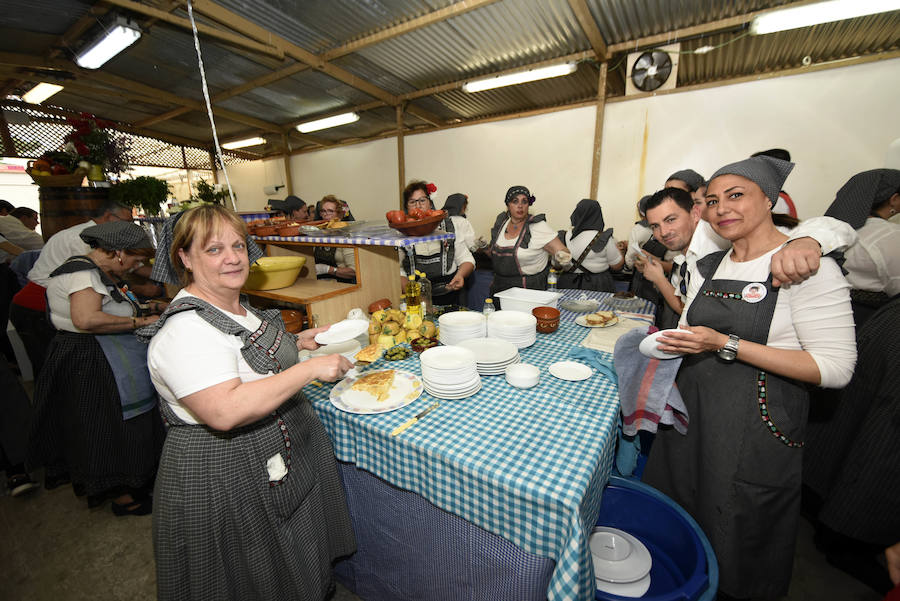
684,565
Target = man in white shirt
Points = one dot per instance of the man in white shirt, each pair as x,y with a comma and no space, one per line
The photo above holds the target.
681,229
16,228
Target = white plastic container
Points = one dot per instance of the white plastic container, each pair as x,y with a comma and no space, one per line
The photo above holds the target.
522,299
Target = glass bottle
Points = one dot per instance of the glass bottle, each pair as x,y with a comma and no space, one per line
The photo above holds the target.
425,284
488,307
551,280
413,296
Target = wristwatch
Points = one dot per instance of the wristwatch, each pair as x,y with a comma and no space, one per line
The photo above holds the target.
729,351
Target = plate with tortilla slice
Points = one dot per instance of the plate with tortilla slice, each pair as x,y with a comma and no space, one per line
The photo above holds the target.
599,319
376,392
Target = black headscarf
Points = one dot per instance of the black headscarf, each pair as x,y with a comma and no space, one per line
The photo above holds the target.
515,191
863,192
455,203
766,172
693,179
587,216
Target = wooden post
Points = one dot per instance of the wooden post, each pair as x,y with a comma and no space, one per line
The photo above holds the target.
9,146
288,179
401,160
598,132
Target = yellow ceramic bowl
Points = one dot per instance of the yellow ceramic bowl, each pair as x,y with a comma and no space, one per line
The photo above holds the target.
270,273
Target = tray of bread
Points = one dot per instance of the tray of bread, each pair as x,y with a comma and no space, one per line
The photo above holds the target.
376,391
598,319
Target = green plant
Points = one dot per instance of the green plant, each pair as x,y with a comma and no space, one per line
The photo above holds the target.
144,192
206,192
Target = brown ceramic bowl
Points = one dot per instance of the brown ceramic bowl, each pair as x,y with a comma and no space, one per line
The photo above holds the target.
264,230
289,230
419,227
379,305
547,319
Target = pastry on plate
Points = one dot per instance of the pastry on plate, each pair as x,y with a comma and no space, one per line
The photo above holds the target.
378,384
601,318
370,353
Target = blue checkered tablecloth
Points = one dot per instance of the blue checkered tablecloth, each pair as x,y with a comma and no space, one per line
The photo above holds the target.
390,238
527,465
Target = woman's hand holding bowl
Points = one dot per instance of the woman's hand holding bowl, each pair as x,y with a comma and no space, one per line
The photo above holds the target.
701,340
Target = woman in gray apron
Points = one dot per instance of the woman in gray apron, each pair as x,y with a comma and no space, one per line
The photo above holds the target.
594,249
738,469
446,263
522,244
248,502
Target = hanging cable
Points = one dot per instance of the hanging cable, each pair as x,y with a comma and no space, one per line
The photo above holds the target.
212,123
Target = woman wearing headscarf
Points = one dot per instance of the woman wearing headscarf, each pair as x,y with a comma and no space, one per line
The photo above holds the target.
456,205
248,500
522,245
751,351
867,201
593,249
95,413
446,263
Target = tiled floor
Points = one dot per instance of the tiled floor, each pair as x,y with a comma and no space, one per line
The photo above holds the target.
54,548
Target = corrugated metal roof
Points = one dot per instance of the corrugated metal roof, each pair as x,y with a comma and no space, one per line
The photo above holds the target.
496,36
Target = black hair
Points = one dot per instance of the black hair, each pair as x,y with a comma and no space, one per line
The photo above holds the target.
109,206
680,197
775,153
7,206
20,212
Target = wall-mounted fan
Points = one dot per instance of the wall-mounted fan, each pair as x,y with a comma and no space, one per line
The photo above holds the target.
651,70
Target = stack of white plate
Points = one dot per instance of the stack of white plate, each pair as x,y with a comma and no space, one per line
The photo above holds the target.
621,562
457,326
492,355
449,372
513,326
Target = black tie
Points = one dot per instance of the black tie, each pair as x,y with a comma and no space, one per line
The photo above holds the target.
685,278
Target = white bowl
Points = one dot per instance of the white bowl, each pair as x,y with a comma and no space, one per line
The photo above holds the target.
523,375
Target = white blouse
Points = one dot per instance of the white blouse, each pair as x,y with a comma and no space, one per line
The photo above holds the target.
873,263
594,261
61,286
533,259
814,316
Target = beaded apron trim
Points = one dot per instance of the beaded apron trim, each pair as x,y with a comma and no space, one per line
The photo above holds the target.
717,294
287,449
764,413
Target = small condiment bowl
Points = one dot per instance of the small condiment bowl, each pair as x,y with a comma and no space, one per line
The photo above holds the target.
547,319
523,375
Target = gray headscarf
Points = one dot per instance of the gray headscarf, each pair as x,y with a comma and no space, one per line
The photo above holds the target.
766,172
863,192
162,267
116,235
693,179
455,203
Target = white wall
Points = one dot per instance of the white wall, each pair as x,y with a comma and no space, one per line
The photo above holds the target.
835,123
248,180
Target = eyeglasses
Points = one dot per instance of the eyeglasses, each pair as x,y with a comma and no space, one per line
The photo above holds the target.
418,201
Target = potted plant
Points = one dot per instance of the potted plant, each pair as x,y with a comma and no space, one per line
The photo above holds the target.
93,144
206,192
144,192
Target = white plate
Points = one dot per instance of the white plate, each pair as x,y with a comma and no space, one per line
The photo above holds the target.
455,395
570,370
461,319
648,345
625,589
588,305
490,350
582,321
618,556
407,388
343,331
515,320
469,384
447,357
348,348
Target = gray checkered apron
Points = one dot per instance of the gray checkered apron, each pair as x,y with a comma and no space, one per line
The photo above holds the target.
221,528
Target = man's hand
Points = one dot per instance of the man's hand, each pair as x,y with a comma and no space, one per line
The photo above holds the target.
651,268
796,261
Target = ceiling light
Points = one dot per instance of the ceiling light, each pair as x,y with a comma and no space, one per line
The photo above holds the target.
113,40
521,77
327,122
820,12
243,143
41,92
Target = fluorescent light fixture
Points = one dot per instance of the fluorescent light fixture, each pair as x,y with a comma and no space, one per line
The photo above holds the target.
521,77
820,12
327,122
41,92
243,143
112,41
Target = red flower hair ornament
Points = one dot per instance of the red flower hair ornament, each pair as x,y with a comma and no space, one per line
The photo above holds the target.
431,188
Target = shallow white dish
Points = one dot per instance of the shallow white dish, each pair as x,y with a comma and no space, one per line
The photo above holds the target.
343,331
490,350
523,375
406,388
624,589
618,556
447,358
461,319
586,305
648,345
582,321
570,370
453,395
348,348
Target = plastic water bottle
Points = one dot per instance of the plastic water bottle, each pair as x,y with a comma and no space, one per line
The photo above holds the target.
551,280
488,307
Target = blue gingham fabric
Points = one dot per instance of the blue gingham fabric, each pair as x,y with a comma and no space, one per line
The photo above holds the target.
527,465
391,238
